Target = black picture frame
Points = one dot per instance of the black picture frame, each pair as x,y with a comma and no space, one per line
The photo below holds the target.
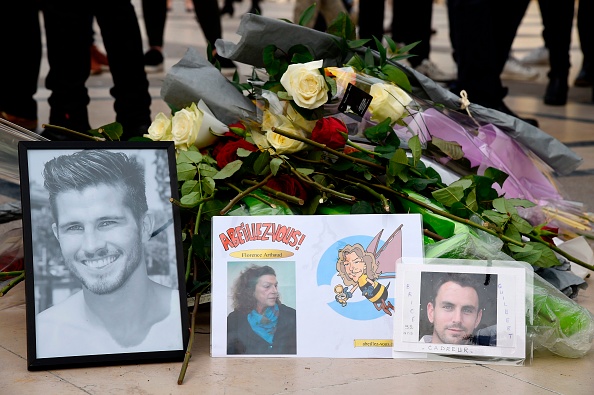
63,330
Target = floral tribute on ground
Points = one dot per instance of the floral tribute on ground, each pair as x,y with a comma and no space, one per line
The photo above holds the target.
324,125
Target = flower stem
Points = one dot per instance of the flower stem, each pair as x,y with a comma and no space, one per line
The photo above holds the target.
243,194
73,132
379,196
253,196
191,248
12,283
332,151
11,274
321,187
277,194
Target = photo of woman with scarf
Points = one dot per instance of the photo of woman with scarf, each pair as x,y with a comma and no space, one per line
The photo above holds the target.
259,322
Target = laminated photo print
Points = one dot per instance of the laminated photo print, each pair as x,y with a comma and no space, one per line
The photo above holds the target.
461,310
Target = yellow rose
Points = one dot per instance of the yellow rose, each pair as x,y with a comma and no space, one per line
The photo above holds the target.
388,101
306,84
160,128
184,128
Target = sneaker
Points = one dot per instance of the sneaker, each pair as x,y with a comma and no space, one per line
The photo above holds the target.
538,56
153,61
514,70
430,70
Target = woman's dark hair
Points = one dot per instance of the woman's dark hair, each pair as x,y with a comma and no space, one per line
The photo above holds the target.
89,168
245,285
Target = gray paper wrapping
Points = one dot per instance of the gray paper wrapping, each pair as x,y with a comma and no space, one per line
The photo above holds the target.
257,32
194,78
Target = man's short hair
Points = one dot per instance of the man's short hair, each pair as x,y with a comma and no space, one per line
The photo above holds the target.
93,167
462,279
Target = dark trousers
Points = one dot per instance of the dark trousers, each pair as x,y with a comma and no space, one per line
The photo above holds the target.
21,59
482,33
371,19
68,46
557,19
411,22
585,24
154,13
208,15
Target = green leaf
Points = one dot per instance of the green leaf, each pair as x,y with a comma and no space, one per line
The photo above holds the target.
420,184
362,208
369,59
284,95
208,185
275,164
470,200
242,152
415,147
307,15
397,76
358,43
520,223
305,171
541,256
398,162
342,27
191,199
113,131
380,49
498,219
261,162
453,193
496,175
512,232
189,187
450,148
227,171
189,157
521,203
515,248
378,133
207,170
186,171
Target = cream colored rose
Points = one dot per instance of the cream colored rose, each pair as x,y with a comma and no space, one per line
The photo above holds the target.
298,120
160,129
285,145
306,84
184,128
388,101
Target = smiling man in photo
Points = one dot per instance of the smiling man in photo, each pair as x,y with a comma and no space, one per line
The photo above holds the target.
101,221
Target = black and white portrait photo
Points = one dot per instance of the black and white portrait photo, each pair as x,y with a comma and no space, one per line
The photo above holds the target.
104,265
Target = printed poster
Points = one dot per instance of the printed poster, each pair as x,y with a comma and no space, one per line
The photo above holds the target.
308,286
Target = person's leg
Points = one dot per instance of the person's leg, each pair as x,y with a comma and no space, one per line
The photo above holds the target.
155,16
557,18
21,72
67,27
585,25
371,19
121,36
330,9
207,13
411,22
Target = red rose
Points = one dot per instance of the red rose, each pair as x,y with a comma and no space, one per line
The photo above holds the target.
289,185
328,131
226,151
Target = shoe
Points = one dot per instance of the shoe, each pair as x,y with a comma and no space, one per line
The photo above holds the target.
153,61
228,9
538,56
506,110
556,93
514,70
583,80
30,124
430,70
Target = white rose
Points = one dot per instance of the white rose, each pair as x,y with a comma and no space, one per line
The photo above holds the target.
388,101
184,128
306,84
160,128
285,145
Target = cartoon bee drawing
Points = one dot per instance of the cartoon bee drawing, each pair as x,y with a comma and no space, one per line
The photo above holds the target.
361,267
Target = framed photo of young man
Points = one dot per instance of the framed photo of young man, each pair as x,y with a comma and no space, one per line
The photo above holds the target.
464,309
103,258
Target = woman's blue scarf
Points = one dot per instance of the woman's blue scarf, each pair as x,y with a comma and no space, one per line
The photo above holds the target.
264,325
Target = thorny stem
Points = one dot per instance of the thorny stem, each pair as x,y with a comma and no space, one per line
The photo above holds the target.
240,196
12,283
325,148
187,206
277,194
251,195
379,196
191,248
321,187
73,132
